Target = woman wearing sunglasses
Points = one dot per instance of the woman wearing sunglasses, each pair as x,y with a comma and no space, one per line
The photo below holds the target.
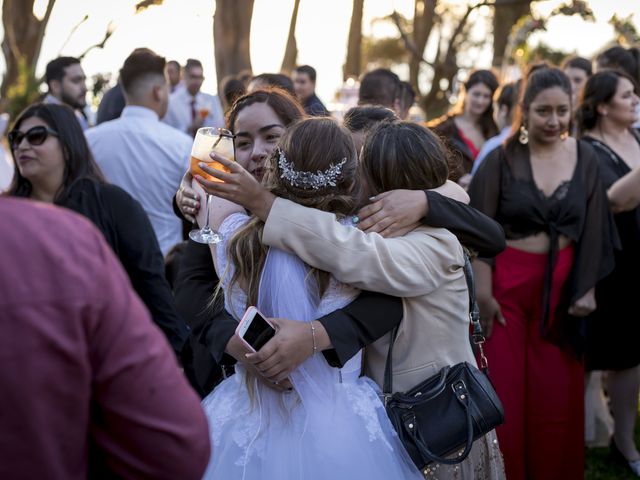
54,165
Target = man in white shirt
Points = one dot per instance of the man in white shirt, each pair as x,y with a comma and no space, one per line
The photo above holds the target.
139,153
67,85
174,75
189,108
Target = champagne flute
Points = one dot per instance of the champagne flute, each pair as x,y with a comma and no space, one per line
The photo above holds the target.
207,140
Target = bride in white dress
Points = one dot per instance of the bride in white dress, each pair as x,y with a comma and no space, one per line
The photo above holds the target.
332,424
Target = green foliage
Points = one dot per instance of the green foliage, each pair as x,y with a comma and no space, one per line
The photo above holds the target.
518,46
383,52
143,5
599,465
626,32
541,53
24,91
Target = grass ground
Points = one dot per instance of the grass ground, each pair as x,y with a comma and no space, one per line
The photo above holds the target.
599,465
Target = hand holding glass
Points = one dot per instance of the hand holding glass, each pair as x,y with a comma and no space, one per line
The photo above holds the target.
209,140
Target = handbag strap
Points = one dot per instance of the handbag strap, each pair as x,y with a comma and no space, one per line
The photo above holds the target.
477,335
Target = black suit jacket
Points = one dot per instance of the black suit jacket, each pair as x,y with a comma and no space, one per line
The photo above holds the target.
128,231
350,329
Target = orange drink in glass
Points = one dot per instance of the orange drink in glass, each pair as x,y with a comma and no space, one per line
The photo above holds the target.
209,140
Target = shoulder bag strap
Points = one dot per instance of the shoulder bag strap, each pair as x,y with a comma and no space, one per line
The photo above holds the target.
474,314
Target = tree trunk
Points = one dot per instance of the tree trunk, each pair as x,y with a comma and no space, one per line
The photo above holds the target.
23,34
231,37
290,58
353,64
423,20
436,102
506,14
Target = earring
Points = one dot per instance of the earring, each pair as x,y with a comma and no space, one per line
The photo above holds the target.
564,135
524,135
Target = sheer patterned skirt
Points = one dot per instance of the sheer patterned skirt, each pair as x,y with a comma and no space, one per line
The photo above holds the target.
483,463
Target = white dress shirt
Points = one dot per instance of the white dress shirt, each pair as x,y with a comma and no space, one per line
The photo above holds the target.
179,115
6,169
146,158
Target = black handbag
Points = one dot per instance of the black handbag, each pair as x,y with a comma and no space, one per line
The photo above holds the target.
445,413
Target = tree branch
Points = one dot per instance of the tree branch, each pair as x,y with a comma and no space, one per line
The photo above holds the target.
412,47
144,4
407,41
101,44
73,30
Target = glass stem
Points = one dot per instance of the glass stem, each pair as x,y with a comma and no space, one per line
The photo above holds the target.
206,227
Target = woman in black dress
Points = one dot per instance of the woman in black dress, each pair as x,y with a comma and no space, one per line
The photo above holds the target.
54,165
606,115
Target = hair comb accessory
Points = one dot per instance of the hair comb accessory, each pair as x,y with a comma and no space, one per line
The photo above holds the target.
309,180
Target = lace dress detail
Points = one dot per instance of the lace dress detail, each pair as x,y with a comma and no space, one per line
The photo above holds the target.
560,193
332,425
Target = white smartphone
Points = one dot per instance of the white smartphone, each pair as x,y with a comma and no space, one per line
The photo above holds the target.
254,329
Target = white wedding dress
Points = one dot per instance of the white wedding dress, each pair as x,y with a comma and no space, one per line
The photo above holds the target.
331,426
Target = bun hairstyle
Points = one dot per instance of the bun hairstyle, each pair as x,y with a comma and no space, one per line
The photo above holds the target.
600,88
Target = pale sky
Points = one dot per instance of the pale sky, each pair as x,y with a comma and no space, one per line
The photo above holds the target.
183,28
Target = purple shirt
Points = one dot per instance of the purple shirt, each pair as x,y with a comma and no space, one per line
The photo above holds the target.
81,364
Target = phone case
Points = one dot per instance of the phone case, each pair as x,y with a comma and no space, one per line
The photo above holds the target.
248,316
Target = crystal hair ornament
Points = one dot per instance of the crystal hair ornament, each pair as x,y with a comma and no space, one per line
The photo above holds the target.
309,180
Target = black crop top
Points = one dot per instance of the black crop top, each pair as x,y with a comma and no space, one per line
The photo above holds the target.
504,189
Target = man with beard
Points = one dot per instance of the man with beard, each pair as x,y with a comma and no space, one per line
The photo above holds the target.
67,85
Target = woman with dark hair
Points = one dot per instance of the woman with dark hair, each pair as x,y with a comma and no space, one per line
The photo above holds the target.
258,119
578,70
232,89
331,424
424,265
620,58
506,101
544,188
272,80
626,60
54,165
368,317
359,120
605,118
471,122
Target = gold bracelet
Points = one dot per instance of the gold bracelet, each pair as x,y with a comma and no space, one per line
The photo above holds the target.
313,336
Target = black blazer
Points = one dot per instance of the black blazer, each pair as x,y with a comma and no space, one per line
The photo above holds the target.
128,231
350,329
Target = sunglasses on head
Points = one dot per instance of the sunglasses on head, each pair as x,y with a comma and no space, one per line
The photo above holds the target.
35,136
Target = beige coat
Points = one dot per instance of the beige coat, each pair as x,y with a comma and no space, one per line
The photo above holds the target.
425,268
